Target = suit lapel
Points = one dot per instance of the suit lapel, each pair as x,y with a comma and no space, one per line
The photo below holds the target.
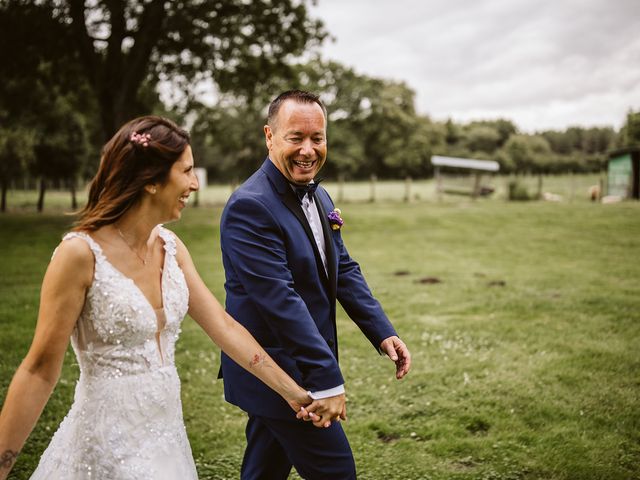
329,246
289,198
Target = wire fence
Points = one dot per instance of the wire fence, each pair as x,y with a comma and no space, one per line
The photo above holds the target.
561,188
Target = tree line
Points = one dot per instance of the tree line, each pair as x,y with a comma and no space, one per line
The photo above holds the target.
374,129
73,71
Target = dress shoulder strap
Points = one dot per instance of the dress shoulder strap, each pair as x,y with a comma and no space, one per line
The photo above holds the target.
93,245
169,239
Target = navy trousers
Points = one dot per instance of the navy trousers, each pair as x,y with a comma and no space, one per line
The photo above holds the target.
274,446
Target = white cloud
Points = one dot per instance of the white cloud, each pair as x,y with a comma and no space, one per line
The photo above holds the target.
541,63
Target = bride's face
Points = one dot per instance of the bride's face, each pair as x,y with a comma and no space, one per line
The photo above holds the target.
173,195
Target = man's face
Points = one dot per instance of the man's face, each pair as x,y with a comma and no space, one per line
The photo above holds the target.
297,141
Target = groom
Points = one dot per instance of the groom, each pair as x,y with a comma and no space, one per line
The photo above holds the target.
285,266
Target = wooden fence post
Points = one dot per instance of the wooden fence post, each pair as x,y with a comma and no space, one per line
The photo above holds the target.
373,179
438,184
340,188
3,200
539,193
74,198
407,189
476,185
572,186
196,200
43,188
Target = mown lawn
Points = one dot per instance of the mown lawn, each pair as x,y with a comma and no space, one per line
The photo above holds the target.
523,320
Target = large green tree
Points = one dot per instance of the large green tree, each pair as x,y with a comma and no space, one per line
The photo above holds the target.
481,138
227,139
61,147
630,132
44,102
16,152
373,125
235,44
372,128
487,136
527,153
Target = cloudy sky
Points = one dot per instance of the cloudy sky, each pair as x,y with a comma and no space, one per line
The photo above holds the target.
541,63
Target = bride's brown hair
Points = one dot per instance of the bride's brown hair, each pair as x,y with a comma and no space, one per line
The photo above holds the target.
141,153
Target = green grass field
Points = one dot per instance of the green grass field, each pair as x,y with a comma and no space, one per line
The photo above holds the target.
523,320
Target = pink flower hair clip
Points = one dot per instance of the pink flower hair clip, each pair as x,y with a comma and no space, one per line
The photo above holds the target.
141,139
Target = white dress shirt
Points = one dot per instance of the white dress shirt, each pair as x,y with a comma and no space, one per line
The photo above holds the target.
313,217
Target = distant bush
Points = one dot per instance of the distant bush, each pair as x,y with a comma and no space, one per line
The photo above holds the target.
518,191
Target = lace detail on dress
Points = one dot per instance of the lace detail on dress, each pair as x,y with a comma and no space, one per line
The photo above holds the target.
126,419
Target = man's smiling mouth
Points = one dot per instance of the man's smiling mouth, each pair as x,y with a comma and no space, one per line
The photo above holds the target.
302,164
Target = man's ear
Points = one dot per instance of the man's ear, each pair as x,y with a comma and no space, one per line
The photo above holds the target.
268,136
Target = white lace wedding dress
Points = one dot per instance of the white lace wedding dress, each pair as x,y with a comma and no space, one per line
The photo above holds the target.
126,419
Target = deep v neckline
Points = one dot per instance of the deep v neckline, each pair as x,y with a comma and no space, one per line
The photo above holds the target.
137,287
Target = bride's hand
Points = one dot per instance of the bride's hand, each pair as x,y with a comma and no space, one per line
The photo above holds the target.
299,398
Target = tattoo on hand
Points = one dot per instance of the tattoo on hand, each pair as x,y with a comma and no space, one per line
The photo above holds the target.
7,458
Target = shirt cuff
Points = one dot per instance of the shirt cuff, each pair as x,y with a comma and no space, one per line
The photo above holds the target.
332,392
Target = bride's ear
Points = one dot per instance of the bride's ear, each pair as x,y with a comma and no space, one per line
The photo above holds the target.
151,189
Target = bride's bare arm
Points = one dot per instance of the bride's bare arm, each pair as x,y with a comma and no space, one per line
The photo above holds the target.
61,299
233,338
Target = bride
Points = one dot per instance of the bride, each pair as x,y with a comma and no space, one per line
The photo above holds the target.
119,286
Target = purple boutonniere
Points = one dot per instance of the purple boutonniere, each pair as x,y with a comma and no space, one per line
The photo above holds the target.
335,220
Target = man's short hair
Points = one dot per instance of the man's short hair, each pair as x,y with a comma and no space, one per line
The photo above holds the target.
299,96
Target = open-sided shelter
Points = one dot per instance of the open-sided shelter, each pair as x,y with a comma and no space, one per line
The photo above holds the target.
477,167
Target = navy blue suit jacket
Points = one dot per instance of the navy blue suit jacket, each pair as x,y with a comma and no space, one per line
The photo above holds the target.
277,287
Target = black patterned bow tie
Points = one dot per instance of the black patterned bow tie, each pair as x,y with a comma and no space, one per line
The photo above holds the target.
308,189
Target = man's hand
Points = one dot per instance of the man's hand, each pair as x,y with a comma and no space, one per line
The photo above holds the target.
398,352
325,410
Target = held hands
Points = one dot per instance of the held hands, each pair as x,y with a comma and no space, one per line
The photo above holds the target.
325,410
321,412
299,399
398,352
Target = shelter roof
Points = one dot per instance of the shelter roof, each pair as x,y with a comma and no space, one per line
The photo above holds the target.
469,163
